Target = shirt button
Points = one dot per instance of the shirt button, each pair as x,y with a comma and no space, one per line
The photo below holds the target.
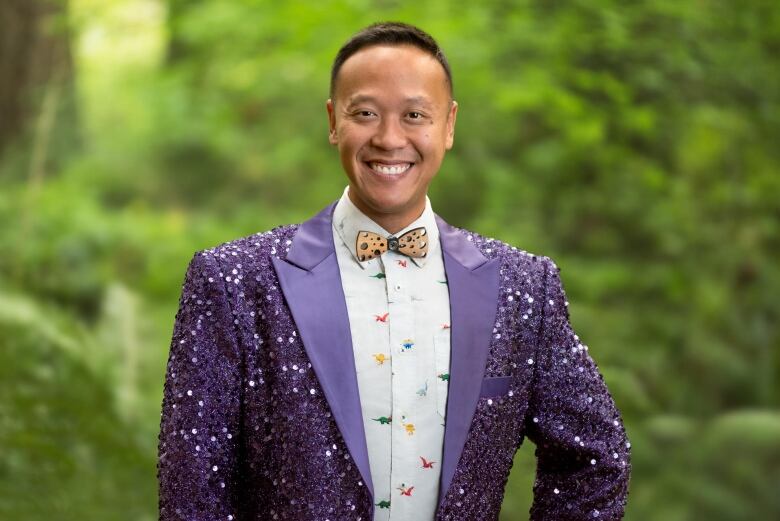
398,287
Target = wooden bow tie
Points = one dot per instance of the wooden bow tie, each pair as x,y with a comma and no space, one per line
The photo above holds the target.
413,243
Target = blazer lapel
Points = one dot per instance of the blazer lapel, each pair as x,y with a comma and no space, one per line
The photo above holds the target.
473,283
311,283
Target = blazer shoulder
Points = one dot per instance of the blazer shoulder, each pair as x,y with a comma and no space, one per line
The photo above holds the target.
510,255
244,265
253,248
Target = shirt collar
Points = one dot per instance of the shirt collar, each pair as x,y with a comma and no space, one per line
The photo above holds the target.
348,220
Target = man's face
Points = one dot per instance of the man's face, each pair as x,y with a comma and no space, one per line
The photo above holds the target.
392,119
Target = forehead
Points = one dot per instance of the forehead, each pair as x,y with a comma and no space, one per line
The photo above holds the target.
402,72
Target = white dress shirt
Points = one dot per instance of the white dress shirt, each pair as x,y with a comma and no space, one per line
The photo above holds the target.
399,315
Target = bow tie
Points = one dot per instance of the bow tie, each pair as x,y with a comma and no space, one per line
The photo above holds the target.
413,243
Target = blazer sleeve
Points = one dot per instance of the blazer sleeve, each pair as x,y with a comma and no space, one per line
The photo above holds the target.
583,454
198,467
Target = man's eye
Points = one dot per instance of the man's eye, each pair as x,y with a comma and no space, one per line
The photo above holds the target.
364,113
415,115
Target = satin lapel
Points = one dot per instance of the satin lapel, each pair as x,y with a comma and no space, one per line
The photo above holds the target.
473,283
311,283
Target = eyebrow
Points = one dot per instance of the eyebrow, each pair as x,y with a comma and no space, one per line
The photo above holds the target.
363,98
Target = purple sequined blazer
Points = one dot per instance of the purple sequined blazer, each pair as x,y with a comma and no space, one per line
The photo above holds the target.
261,415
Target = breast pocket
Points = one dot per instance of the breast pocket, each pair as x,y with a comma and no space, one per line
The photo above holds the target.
495,386
441,348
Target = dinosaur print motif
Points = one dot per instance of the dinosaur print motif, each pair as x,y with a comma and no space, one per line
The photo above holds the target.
384,504
427,464
407,345
381,318
380,358
445,377
401,262
423,391
409,427
379,275
384,420
404,490
445,326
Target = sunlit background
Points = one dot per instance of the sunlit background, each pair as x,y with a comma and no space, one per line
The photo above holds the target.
636,143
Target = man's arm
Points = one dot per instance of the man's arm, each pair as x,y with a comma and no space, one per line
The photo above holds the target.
583,455
197,465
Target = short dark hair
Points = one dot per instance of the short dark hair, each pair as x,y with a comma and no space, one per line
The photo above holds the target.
389,33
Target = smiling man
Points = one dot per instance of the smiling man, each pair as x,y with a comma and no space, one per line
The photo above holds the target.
392,116
375,362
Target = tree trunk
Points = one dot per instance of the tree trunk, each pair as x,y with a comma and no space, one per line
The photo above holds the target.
178,49
37,108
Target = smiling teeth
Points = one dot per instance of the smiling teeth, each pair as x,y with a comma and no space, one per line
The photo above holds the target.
390,169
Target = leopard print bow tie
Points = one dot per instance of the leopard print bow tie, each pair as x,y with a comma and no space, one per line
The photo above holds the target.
413,243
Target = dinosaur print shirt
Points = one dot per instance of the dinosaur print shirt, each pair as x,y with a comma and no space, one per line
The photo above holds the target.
399,315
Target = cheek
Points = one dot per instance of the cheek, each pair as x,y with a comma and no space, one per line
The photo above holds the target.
429,143
431,137
423,139
352,139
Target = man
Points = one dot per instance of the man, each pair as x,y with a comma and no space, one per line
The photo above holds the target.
375,362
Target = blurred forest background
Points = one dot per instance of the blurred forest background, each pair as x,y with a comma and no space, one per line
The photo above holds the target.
636,143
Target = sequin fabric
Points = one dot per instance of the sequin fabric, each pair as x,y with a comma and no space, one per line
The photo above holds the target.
246,432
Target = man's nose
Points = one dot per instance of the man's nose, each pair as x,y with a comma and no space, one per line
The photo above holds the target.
389,135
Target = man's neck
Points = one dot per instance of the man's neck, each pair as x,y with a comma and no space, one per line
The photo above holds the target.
392,222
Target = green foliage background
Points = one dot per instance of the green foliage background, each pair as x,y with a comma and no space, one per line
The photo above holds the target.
636,143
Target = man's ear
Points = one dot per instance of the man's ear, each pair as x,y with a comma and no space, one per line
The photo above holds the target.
332,136
451,115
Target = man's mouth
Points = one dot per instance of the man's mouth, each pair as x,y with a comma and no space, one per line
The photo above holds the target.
389,169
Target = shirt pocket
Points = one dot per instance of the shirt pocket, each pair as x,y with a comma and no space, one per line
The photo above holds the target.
495,386
441,349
